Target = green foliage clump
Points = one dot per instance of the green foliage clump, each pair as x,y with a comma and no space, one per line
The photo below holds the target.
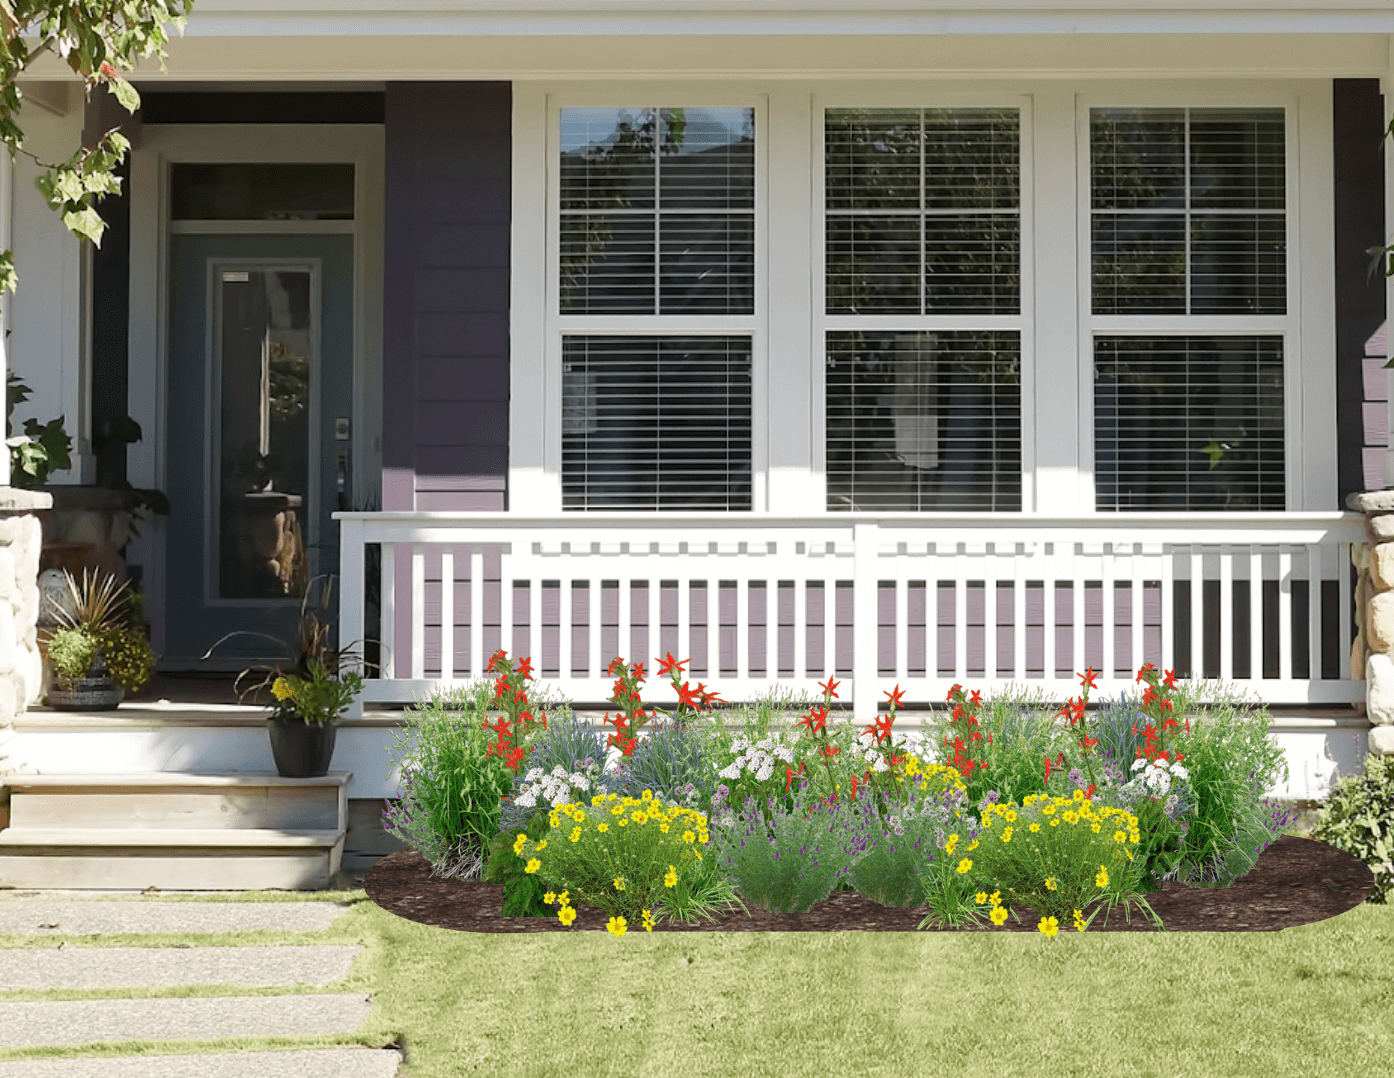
522,890
129,659
452,786
72,652
1358,817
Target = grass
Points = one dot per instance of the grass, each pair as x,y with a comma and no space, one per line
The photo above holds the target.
1310,1001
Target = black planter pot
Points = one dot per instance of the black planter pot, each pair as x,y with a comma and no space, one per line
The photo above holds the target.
302,749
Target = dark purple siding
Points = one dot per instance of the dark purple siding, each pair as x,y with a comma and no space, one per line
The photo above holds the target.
445,362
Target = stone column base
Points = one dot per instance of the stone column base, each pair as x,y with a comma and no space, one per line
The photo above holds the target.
21,540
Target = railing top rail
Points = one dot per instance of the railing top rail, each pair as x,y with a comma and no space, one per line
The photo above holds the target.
1149,522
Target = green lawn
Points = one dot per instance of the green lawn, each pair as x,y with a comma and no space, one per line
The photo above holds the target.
1310,1002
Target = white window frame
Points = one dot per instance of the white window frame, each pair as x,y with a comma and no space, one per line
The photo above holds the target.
544,493
789,326
1023,321
1307,329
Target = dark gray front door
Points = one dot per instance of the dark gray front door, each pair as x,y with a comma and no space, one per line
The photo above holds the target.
260,391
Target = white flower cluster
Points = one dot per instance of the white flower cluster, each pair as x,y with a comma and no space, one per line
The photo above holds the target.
1157,777
866,746
556,788
759,758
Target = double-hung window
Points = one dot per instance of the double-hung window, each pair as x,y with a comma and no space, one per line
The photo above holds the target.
923,311
1189,307
657,306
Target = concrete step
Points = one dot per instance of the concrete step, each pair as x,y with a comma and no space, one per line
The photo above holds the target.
295,863
112,1021
44,968
93,917
292,1063
178,799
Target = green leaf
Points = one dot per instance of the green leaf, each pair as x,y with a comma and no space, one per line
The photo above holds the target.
125,93
85,222
9,279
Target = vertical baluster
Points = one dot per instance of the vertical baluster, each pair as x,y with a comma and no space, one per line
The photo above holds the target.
1168,615
1343,567
960,658
1226,612
388,628
684,619
1019,575
1285,613
1255,613
1137,566
566,659
1109,655
1314,573
478,659
1077,605
418,612
447,612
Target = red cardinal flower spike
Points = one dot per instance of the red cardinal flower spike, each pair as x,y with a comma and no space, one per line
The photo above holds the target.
896,697
830,687
668,664
1170,680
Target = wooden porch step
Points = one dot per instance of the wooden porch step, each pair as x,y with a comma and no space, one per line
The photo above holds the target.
174,830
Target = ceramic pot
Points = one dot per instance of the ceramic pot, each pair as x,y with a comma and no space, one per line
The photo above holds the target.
95,691
302,749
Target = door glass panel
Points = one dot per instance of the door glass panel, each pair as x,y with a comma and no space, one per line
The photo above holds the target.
251,192
264,360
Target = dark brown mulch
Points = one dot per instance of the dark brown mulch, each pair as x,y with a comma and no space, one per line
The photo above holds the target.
1296,882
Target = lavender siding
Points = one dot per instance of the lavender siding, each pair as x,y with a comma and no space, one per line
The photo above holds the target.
445,363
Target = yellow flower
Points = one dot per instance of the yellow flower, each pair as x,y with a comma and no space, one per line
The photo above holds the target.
949,846
1050,883
1011,816
974,844
998,915
980,898
542,845
566,915
575,834
520,842
647,795
532,866
602,828
1119,837
549,897
1035,827
1006,836
648,920
1101,880
1079,795
689,837
553,819
622,822
617,926
281,690
618,810
596,801
619,883
671,879
663,827
1094,827
564,897
964,866
1070,817
1079,920
1048,810
1049,926
995,898
639,818
579,817
703,836
699,854
1054,823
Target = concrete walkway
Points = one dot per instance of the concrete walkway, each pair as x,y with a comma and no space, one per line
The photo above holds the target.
29,963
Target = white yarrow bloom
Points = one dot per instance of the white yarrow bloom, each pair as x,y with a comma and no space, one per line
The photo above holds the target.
732,772
1180,772
766,770
1137,764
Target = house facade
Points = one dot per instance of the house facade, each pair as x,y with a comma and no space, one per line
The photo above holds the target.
910,343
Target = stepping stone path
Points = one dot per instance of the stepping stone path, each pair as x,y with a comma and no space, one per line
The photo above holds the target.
112,1021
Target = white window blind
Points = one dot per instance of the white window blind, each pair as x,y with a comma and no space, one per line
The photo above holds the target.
656,423
922,225
1189,211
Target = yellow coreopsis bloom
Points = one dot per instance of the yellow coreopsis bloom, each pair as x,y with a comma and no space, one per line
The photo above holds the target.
640,818
575,834
949,846
1049,926
532,866
1119,837
689,837
980,898
549,897
602,828
281,690
663,827
964,866
1050,883
564,897
623,821
1079,795
1079,920
519,843
579,817
566,915
619,883
998,915
1035,827
617,926
1010,815
671,879
974,844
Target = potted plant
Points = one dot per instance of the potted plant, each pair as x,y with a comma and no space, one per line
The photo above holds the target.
100,651
310,689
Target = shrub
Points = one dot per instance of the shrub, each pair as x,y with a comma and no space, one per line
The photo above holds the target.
1358,817
71,651
787,858
568,746
452,786
522,890
629,857
944,872
889,872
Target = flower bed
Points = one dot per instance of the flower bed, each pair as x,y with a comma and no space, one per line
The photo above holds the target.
995,808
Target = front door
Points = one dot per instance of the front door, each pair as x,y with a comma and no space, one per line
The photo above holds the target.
260,395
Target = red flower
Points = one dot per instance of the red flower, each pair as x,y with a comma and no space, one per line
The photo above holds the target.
515,756
830,686
495,659
1089,793
790,774
668,665
689,696
1170,680
816,720
896,697
830,751
638,672
954,692
1143,671
854,786
1089,679
976,698
611,671
881,728
708,697
525,667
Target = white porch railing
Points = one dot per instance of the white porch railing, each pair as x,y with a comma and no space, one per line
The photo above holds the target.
981,600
